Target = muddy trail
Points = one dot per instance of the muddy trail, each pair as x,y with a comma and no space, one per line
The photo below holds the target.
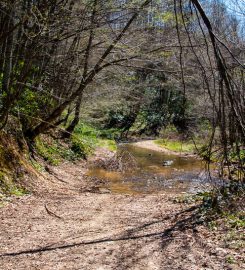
75,221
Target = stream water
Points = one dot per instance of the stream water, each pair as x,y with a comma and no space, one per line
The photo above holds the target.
150,171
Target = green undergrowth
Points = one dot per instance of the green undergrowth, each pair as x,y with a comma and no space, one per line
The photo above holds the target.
54,151
8,187
13,163
108,144
221,210
81,144
225,202
90,138
177,146
110,134
37,166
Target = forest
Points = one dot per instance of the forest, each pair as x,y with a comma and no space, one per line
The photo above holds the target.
122,134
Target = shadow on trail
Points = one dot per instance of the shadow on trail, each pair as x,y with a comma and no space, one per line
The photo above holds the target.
186,219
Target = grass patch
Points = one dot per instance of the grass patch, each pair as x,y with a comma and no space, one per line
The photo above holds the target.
92,137
108,144
177,146
81,144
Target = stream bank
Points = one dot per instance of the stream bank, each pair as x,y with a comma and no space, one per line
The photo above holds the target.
69,223
146,168
151,145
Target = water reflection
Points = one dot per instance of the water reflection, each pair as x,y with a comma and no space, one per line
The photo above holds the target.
155,172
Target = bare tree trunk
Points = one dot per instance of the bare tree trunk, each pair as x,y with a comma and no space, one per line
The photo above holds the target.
76,119
31,134
237,111
7,71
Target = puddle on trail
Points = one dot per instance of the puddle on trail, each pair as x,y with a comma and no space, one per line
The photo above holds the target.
154,172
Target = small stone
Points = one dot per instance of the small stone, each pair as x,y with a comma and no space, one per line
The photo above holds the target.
104,190
191,258
167,162
221,251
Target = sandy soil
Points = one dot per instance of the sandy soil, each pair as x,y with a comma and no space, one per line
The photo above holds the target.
69,223
149,144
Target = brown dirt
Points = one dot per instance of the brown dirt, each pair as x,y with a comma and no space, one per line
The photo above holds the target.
69,223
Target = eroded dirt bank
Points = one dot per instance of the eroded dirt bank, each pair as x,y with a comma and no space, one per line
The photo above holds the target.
71,224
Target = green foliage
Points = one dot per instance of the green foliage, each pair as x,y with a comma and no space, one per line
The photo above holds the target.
121,118
154,103
205,126
80,146
28,104
205,154
53,151
220,213
170,130
213,225
187,199
86,138
84,130
224,203
167,16
165,104
235,221
39,167
230,260
237,156
91,133
50,152
31,106
8,187
110,134
234,239
108,144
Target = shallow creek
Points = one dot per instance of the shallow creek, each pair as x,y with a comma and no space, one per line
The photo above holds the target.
154,172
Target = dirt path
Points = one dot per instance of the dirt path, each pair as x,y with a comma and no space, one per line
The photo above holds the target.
63,226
